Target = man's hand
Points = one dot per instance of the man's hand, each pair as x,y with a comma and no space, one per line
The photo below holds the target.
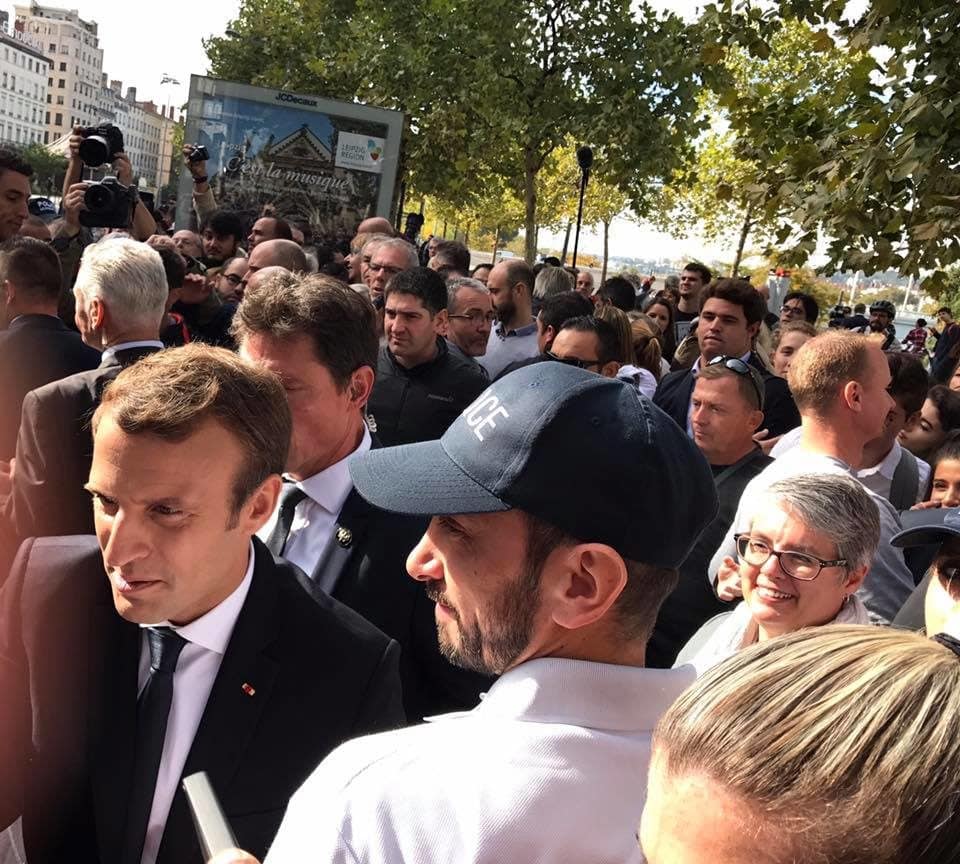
72,205
233,856
728,580
121,164
6,477
766,444
197,169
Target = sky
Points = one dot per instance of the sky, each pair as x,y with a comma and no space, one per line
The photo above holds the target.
139,48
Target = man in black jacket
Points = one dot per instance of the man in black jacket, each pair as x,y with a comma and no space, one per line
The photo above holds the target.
180,644
320,337
730,316
121,294
36,347
727,409
421,386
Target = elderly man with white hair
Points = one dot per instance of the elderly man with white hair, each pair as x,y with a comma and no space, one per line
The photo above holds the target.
121,294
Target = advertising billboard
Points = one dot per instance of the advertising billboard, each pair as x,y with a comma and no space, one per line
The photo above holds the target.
327,163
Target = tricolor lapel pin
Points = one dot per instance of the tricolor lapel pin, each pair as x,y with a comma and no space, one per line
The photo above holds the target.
250,691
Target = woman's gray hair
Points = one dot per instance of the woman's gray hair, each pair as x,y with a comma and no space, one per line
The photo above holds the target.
552,280
128,277
836,506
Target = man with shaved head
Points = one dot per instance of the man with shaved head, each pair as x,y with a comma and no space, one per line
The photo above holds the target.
376,225
275,253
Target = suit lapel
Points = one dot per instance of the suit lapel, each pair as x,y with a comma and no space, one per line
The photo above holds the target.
113,709
231,714
346,541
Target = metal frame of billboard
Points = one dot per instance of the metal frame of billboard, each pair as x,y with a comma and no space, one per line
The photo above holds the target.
207,89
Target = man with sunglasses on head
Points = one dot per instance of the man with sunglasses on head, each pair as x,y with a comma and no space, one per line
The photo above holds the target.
731,312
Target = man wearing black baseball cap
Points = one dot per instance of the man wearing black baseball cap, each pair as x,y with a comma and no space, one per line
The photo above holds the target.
562,505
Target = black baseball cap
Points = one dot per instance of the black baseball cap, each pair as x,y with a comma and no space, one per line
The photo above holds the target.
582,452
42,207
928,527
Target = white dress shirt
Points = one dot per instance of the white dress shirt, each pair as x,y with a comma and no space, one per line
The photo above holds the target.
124,346
316,515
878,478
197,668
550,767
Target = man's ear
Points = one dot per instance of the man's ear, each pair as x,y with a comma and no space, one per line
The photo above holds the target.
586,581
609,370
9,292
361,385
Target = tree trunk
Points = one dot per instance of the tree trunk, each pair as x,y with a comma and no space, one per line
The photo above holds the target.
606,251
444,229
530,205
744,233
566,243
496,244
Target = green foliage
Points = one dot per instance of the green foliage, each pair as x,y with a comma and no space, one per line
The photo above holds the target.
491,88
864,151
48,169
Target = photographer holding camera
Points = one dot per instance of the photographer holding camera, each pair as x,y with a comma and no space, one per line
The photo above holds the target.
204,203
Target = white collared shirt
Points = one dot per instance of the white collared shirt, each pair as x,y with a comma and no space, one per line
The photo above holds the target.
197,666
124,346
315,517
550,767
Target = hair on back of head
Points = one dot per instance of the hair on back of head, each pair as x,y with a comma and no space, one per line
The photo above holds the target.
32,267
608,340
824,365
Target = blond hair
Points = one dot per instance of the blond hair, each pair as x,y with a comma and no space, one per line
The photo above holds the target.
844,741
646,346
824,365
804,327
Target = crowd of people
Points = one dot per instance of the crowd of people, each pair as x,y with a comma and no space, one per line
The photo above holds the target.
426,560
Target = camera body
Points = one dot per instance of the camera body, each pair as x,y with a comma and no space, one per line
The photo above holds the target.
109,204
100,144
198,153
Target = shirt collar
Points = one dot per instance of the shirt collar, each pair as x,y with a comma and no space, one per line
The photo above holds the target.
582,693
526,330
125,346
331,486
213,629
887,466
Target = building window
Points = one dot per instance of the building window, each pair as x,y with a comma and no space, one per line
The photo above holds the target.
49,82
47,121
53,48
58,120
63,67
61,84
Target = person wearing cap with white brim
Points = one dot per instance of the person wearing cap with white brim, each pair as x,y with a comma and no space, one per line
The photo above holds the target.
561,506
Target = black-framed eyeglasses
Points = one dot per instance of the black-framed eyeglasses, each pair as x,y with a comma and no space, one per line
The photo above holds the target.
735,364
793,310
573,361
799,565
477,318
232,278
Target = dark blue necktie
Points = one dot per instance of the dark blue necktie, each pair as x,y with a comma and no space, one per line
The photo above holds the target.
290,496
153,709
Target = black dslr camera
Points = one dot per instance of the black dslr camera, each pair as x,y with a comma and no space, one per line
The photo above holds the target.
198,153
108,204
100,144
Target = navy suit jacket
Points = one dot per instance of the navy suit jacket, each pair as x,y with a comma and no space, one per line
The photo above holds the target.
68,675
35,350
779,411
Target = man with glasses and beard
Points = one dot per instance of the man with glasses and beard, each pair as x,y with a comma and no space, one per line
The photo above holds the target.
554,591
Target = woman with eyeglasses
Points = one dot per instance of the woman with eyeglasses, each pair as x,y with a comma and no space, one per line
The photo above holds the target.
810,543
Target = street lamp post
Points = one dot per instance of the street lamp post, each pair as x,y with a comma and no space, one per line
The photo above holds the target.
585,160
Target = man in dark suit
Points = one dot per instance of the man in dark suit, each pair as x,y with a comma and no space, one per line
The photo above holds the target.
731,312
320,338
181,645
35,345
121,292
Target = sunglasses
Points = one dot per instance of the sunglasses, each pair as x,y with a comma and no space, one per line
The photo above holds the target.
573,361
735,364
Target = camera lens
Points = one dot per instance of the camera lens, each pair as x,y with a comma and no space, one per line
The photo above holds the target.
94,151
97,198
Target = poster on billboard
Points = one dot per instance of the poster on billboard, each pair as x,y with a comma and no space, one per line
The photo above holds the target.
318,161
